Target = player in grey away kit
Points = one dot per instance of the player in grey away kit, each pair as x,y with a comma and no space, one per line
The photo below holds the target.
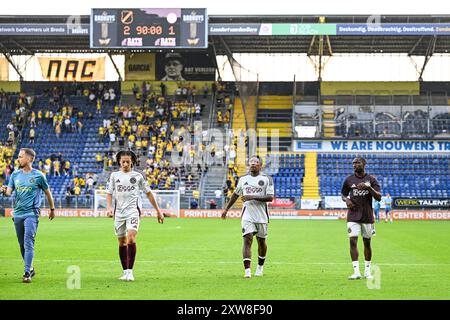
125,186
256,189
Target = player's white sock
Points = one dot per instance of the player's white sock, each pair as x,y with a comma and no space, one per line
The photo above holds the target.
356,267
367,267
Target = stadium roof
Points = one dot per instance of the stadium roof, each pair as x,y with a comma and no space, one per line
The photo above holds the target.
412,44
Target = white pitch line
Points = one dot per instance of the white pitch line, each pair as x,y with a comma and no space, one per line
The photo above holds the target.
232,262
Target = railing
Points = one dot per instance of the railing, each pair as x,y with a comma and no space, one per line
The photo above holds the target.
363,121
423,100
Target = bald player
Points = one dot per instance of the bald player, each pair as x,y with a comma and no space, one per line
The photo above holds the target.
256,189
357,192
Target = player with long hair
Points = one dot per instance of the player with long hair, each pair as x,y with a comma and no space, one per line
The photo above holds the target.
125,187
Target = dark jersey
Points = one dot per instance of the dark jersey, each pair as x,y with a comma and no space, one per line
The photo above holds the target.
362,211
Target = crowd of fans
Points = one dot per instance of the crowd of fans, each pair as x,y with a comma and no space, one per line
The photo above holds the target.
6,156
156,126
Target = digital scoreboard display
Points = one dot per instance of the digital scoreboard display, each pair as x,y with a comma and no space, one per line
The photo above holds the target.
149,28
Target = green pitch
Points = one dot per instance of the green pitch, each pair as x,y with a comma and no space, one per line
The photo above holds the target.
201,259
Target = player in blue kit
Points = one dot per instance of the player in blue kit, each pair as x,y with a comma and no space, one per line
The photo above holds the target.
388,208
28,184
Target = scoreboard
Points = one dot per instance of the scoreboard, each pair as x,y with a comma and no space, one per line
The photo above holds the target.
157,28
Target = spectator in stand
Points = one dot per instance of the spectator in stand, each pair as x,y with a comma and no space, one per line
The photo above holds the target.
32,135
101,133
205,90
33,119
92,97
67,167
89,184
198,111
112,139
218,194
226,120
196,194
77,190
82,182
112,94
99,106
194,204
212,204
219,118
80,126
56,168
58,129
135,89
67,124
47,167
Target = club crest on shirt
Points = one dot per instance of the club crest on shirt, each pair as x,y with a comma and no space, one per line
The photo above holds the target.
133,180
261,183
32,180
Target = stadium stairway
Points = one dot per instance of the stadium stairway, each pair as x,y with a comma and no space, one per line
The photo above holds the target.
239,127
274,117
311,180
196,178
239,124
329,125
215,179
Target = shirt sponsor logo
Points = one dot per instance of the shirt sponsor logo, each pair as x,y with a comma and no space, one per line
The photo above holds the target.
252,190
360,193
24,189
121,188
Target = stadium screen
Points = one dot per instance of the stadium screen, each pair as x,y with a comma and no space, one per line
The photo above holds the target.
149,28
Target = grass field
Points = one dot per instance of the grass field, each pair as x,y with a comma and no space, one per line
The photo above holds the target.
201,259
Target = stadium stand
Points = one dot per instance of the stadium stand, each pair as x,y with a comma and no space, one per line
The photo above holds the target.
287,170
77,147
401,175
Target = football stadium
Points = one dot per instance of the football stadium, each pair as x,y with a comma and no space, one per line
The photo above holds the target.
303,131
